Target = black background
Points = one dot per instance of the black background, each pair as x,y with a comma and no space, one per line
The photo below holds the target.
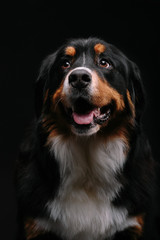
30,30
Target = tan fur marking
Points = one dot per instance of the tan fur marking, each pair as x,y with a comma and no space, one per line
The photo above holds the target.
71,51
46,95
99,48
138,230
55,123
57,96
104,94
121,133
131,103
140,220
31,229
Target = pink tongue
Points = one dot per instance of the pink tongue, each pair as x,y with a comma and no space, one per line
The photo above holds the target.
83,118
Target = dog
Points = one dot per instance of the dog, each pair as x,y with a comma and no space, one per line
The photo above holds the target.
85,169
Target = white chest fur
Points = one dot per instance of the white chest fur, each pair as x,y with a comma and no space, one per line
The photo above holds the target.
83,208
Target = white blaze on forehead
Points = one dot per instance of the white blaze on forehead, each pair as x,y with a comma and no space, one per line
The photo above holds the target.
84,59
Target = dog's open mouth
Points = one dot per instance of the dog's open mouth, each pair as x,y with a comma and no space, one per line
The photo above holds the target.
84,115
96,115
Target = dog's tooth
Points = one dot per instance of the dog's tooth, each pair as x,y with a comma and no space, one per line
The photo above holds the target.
109,111
97,112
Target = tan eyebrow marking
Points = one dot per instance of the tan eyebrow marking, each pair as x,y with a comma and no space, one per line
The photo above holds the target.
71,51
99,48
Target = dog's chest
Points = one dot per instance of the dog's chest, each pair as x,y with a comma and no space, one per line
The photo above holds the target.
83,208
89,166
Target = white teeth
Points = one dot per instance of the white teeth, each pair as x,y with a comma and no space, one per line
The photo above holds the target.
103,115
97,112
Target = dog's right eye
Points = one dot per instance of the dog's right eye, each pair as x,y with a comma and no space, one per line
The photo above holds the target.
66,64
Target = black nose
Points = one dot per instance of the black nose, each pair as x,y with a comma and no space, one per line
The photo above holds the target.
80,78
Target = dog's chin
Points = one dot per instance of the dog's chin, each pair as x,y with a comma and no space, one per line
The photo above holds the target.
85,130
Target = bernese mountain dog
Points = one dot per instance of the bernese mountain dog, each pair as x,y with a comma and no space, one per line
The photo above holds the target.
85,169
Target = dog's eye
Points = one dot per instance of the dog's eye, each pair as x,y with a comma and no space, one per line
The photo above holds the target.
104,63
66,64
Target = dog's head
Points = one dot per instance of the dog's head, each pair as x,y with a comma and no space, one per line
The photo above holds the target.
86,86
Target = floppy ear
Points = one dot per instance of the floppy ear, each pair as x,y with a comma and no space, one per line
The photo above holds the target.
41,82
137,90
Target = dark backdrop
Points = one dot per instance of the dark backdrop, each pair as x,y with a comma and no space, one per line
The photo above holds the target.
33,29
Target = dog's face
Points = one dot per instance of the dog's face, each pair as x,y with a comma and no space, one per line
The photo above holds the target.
88,85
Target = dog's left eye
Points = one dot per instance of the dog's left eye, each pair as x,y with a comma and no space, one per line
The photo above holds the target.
66,64
104,63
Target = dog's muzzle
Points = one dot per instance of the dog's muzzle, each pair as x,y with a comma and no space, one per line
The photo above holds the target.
84,116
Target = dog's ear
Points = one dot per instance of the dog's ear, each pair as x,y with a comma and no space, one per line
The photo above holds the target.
137,90
42,82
